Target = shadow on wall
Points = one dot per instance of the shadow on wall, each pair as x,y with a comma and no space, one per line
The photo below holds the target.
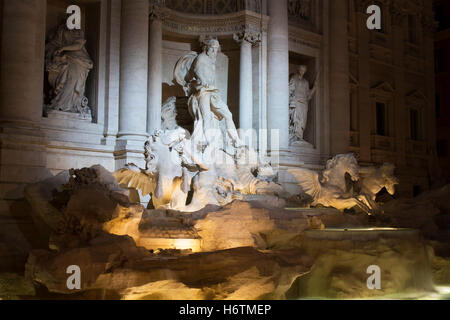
174,90
18,231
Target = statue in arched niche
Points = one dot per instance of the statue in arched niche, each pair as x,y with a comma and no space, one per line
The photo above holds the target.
67,63
299,96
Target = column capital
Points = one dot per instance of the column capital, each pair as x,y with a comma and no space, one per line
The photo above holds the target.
157,12
249,36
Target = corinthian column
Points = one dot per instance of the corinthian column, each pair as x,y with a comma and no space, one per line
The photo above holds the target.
133,83
278,71
246,40
154,70
133,70
22,60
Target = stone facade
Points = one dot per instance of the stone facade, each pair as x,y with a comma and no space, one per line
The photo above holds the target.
442,54
375,96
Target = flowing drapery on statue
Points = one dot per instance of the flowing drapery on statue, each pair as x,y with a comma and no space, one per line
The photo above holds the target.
299,96
196,73
68,64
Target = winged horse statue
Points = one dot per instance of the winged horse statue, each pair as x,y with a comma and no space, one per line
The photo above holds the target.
374,181
330,188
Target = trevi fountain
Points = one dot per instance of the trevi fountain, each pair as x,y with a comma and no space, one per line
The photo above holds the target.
207,216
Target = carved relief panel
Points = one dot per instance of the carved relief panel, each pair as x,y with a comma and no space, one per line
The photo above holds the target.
304,14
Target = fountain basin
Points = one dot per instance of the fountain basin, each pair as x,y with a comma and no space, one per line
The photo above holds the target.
342,257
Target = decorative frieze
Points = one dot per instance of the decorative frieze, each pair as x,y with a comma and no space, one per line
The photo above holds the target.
212,7
300,9
157,12
244,21
303,13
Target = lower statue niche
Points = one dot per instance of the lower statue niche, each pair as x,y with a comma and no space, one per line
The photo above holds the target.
254,247
67,65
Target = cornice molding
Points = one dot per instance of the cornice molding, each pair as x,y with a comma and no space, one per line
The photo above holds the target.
220,25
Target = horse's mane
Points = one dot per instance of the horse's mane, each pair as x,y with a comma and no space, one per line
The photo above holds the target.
387,168
335,161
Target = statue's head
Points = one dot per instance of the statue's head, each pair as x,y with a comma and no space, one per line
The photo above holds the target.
211,47
302,70
341,164
387,171
151,157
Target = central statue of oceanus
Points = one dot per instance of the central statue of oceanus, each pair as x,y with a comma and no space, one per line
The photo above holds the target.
196,73
215,168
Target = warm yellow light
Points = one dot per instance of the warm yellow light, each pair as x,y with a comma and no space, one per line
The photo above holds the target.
183,244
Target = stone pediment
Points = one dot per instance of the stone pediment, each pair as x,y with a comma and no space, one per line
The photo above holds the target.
416,98
384,89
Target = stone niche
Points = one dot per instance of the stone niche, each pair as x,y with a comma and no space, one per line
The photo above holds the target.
296,60
90,24
173,49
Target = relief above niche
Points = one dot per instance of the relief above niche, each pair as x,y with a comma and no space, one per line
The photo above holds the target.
300,9
302,13
67,66
211,7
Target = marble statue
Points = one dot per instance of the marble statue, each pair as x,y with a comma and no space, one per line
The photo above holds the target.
214,168
300,8
330,188
68,64
174,167
299,96
375,180
196,73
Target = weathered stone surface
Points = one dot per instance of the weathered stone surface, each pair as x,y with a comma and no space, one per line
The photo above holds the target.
101,255
163,290
253,250
40,195
239,273
441,270
340,268
91,209
268,201
428,212
242,224
13,286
